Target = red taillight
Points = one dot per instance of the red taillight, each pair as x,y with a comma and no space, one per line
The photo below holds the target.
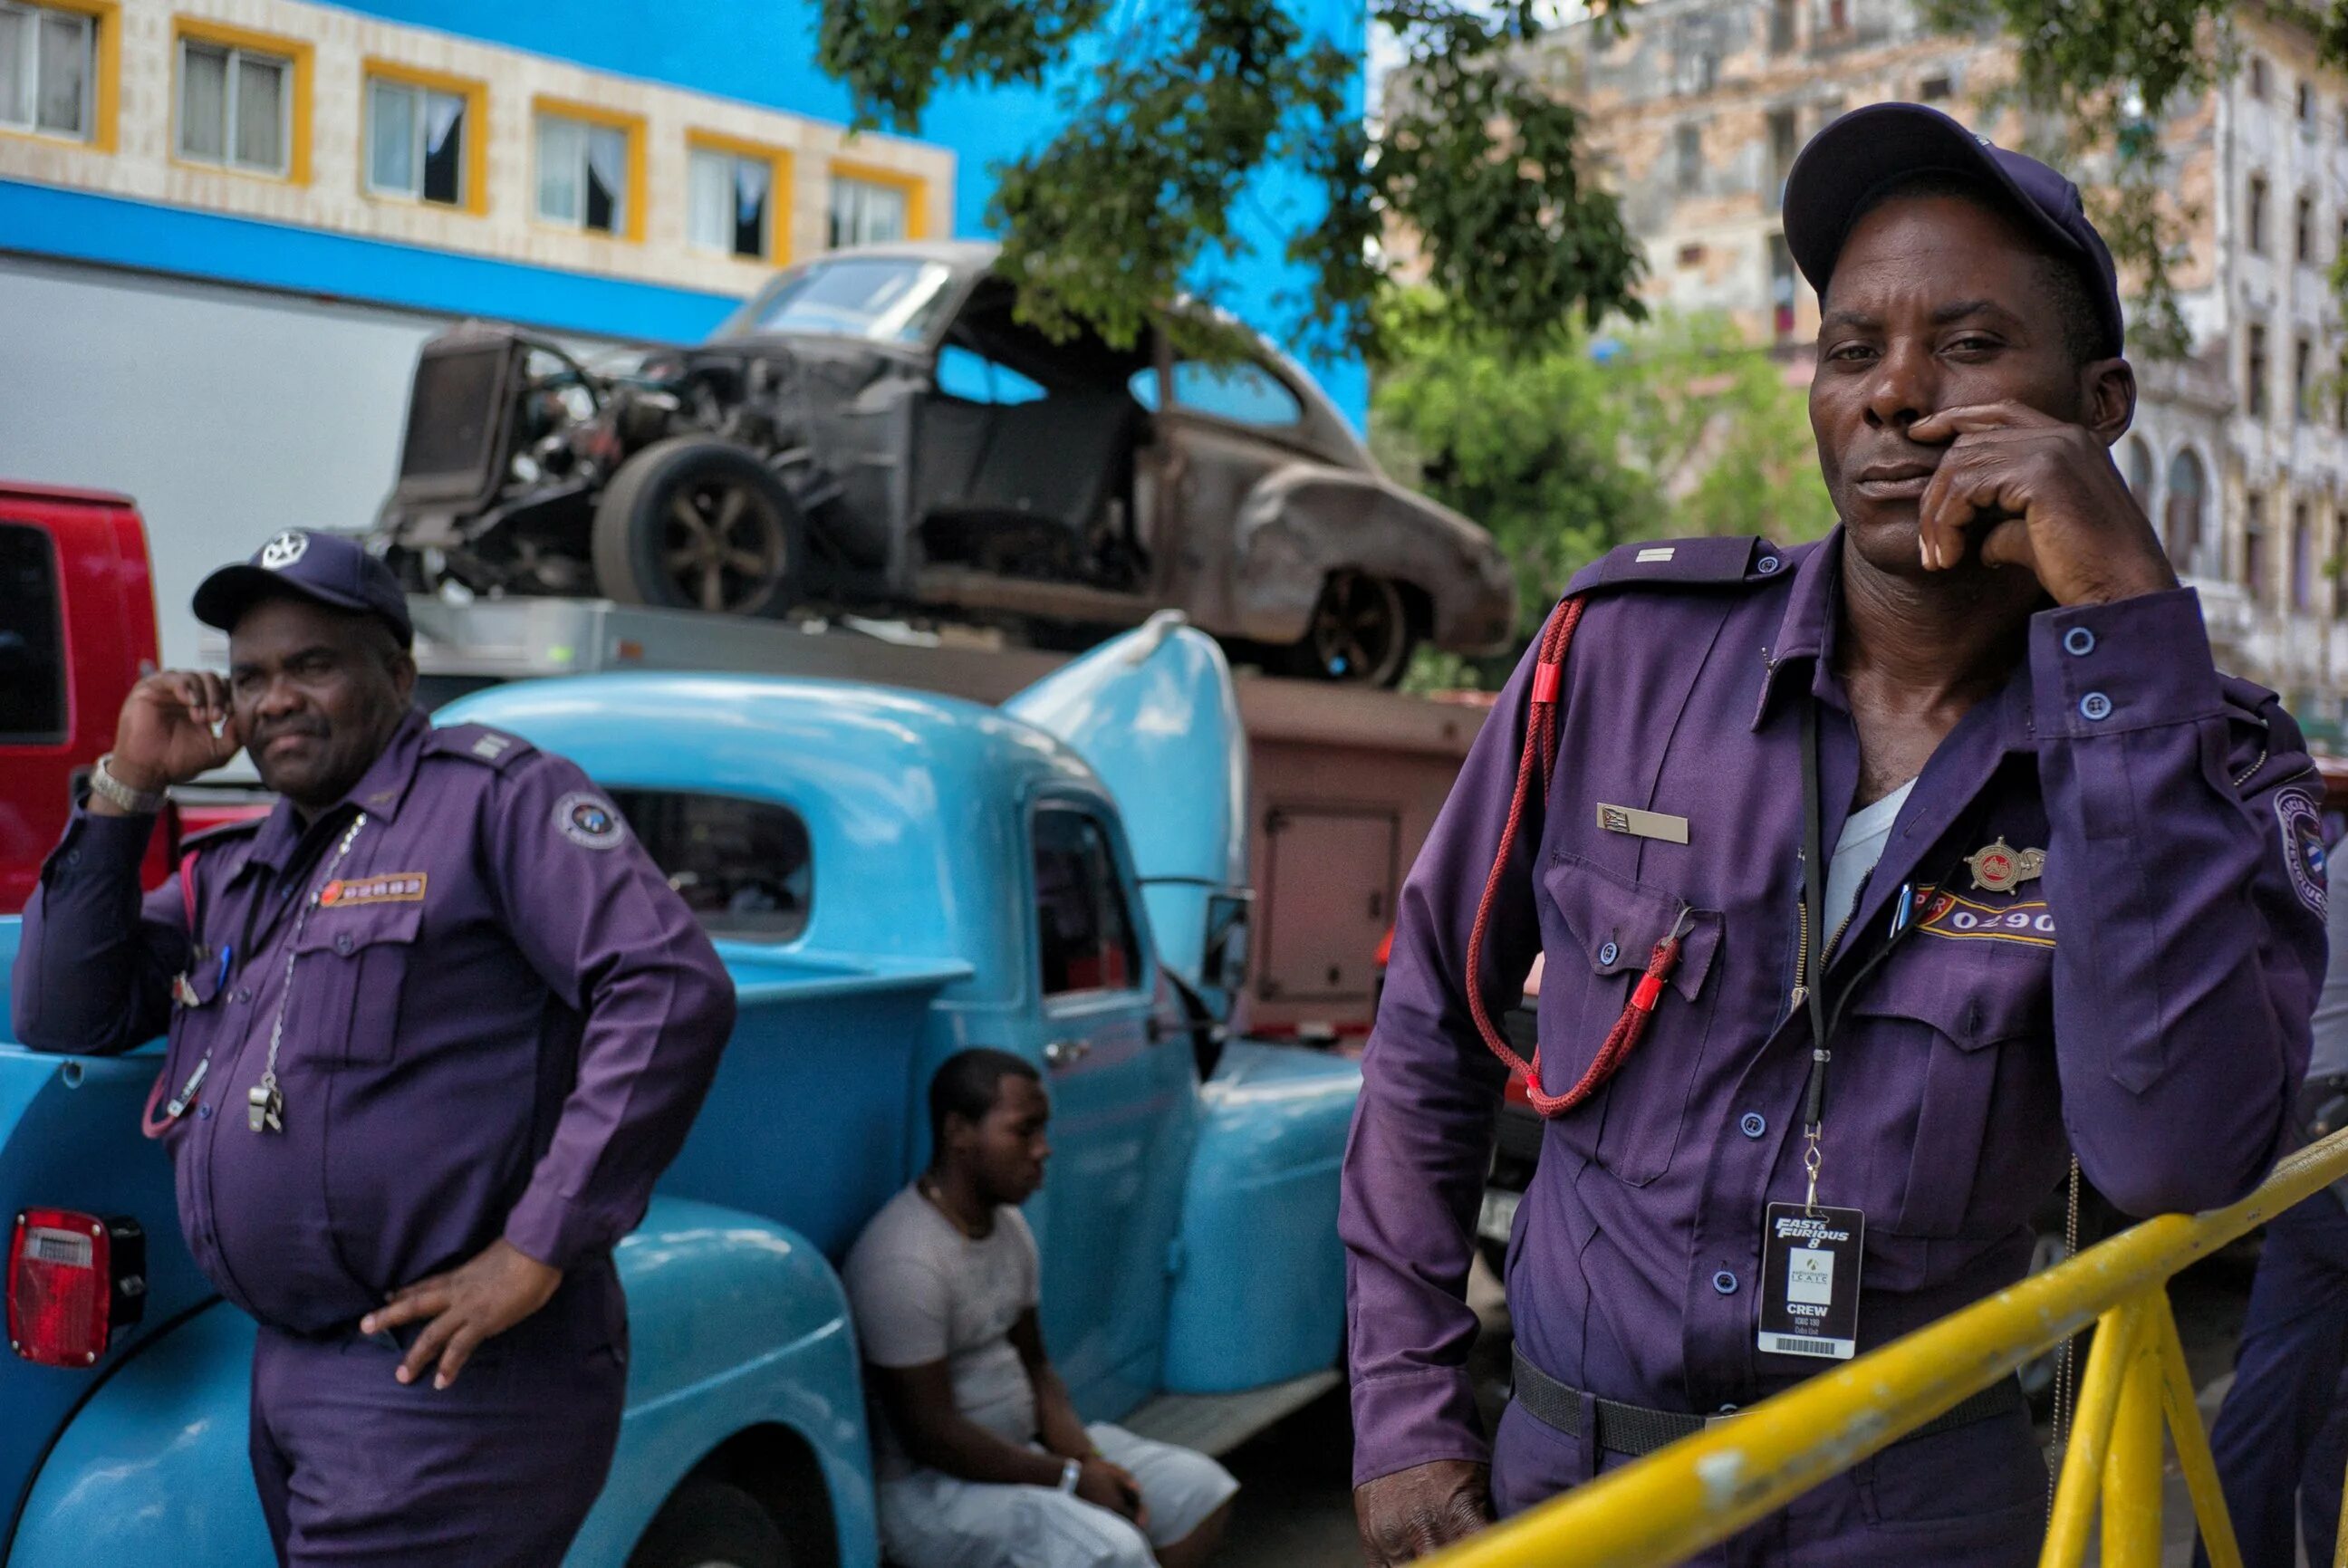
73,1279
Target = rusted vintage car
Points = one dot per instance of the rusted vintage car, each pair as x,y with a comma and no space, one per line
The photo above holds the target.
873,431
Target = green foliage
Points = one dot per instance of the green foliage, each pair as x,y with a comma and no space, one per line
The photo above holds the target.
1170,123
1683,431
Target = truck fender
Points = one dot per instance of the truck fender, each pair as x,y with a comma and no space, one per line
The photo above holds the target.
739,1341
1259,1293
1302,522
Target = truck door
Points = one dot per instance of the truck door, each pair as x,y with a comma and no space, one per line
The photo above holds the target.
1123,1106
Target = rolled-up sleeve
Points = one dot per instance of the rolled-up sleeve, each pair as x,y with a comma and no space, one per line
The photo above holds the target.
2184,864
1421,1132
601,925
95,961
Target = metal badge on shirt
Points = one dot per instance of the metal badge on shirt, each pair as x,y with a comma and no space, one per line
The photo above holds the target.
1810,1281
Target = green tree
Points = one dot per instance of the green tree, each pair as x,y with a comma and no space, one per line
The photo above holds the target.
1676,428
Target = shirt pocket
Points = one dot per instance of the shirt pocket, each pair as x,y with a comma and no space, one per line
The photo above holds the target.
1960,1005
349,970
1599,929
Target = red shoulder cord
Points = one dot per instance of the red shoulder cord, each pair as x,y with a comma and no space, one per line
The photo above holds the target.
147,1122
1539,761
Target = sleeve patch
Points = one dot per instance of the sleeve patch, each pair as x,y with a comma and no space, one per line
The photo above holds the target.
590,821
2302,823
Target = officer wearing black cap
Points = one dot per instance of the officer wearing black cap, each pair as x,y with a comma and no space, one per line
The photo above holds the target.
436,1026
1872,877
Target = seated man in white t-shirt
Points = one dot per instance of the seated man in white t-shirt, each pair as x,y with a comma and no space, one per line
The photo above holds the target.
982,1462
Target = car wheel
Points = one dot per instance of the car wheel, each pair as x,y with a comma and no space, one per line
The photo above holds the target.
1360,632
710,1523
694,523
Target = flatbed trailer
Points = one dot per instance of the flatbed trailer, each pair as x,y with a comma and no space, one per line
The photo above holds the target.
1345,781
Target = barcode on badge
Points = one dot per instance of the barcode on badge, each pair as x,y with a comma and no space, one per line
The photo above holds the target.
1796,1344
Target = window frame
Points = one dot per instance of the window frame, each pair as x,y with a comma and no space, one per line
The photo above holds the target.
100,39
1142,982
631,225
779,204
53,558
294,114
720,930
473,160
912,187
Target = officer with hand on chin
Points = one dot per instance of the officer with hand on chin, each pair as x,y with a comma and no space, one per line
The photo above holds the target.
1874,878
436,1023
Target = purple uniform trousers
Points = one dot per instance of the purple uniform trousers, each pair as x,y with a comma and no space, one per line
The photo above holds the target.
2142,1000
496,1471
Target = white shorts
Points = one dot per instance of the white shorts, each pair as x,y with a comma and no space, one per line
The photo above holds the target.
931,1520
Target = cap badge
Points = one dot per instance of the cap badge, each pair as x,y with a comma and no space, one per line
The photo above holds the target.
284,549
1999,867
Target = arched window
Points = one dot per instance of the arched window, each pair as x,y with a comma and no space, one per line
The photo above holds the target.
2139,471
2182,524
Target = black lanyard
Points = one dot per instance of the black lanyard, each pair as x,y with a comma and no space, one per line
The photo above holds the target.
1814,900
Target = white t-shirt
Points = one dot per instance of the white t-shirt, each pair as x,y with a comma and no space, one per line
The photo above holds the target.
1864,834
922,1291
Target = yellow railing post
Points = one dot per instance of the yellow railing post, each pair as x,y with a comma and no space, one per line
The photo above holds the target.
2339,1535
2091,1435
2132,1473
2193,1455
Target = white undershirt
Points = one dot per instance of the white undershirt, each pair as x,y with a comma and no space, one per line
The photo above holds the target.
1856,852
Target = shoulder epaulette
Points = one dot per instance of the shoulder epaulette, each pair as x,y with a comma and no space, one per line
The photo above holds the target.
477,743
1703,563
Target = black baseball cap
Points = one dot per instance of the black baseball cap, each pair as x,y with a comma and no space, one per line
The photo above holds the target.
332,569
1857,156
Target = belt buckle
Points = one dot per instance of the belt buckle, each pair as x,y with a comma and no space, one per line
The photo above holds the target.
1721,1417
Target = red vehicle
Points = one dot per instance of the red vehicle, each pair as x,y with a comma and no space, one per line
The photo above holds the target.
77,628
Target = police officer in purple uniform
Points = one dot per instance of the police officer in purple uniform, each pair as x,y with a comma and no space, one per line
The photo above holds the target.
1923,856
437,1023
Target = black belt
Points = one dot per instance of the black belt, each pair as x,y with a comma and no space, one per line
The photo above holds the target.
1635,1430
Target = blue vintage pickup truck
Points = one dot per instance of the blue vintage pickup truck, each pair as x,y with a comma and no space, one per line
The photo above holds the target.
890,877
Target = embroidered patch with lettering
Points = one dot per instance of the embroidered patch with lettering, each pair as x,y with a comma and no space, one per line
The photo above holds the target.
2028,921
589,822
2303,844
396,887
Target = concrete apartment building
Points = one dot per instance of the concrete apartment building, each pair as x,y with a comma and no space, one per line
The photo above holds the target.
2241,450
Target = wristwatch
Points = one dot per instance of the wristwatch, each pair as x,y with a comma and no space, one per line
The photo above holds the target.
138,802
1069,1474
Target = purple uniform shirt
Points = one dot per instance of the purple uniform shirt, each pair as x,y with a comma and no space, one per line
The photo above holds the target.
501,1020
2145,1002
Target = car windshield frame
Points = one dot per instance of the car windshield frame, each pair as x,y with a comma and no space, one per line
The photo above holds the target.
912,315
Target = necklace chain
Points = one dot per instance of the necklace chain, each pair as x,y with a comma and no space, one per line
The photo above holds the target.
268,1086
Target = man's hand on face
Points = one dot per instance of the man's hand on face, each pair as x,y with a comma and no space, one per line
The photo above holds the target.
2040,494
164,735
1411,1512
461,1308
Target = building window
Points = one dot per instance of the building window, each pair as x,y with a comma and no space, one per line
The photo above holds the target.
2303,238
2306,109
729,203
2255,222
584,174
2258,76
1837,16
1782,25
1784,143
2255,546
2302,559
236,107
2302,380
2183,512
2254,374
1689,146
1781,289
869,213
1690,256
417,139
2139,471
48,71
1934,89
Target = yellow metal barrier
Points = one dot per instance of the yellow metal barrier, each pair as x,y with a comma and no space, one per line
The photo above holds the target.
1703,1489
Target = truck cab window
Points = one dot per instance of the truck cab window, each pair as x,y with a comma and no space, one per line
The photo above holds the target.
32,647
742,866
1086,939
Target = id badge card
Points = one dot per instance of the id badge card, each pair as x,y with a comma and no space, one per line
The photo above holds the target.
1810,1281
